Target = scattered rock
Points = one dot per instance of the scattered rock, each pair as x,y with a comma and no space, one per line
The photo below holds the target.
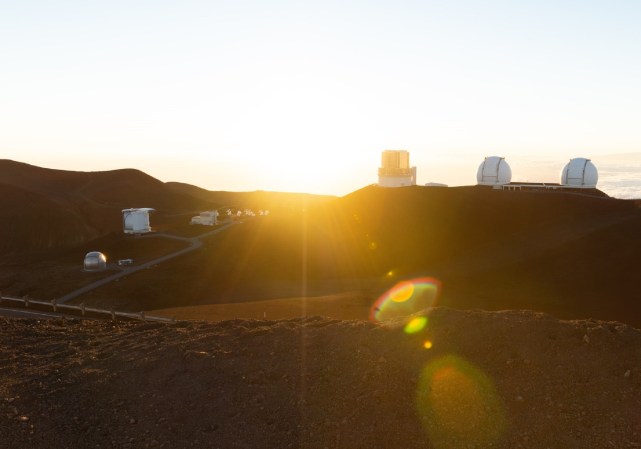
334,384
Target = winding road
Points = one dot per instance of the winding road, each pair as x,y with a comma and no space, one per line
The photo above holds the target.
195,243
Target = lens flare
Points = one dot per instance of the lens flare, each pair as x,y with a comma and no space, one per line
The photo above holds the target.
428,345
405,298
403,292
416,325
459,405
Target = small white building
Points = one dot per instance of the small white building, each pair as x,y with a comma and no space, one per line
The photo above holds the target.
95,261
580,172
494,171
136,221
207,218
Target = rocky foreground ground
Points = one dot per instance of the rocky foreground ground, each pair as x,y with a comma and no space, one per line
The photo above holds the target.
462,379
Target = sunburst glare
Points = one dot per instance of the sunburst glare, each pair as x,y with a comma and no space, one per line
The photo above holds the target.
406,298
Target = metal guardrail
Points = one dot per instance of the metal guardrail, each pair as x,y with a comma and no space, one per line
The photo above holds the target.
81,309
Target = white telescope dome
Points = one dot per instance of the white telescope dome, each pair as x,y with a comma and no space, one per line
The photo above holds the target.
579,172
494,170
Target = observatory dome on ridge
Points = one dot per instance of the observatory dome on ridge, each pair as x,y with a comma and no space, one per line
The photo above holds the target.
494,170
95,261
579,172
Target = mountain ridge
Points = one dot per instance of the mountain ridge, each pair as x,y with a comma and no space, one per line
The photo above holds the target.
568,254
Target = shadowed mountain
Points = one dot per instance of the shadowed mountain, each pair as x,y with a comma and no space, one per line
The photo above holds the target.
44,209
258,200
570,254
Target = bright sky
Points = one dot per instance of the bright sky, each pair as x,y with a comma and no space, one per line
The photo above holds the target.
304,96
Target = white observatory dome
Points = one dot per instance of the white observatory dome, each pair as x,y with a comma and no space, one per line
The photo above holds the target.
95,261
494,170
579,172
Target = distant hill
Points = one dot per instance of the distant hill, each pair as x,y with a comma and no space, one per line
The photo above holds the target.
46,209
257,200
43,209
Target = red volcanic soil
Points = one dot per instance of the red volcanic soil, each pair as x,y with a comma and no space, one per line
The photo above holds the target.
490,379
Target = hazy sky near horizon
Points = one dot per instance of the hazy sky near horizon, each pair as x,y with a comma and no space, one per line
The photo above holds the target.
304,96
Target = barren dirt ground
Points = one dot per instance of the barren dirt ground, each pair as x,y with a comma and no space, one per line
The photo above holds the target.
469,379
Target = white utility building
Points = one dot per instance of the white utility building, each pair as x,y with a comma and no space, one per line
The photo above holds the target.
580,172
395,170
494,171
207,218
95,261
136,221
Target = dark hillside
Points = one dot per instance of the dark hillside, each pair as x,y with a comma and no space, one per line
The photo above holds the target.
44,209
415,226
257,200
574,255
116,188
556,252
80,206
30,220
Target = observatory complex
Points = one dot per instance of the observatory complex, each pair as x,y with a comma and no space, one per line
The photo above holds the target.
207,218
395,170
579,173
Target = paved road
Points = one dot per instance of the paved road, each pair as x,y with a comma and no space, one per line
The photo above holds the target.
195,243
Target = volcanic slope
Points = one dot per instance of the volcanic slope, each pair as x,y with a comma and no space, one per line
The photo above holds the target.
573,255
568,254
50,219
44,209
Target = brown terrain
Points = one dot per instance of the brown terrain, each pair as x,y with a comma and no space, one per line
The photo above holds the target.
512,379
530,339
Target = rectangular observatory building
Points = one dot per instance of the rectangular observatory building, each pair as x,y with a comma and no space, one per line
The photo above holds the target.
395,170
136,221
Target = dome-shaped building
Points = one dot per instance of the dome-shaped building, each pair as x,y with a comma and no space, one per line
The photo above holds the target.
494,170
95,261
579,172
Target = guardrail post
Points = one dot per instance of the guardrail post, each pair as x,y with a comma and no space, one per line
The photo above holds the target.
173,319
113,314
54,304
82,308
26,301
142,315
1,298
